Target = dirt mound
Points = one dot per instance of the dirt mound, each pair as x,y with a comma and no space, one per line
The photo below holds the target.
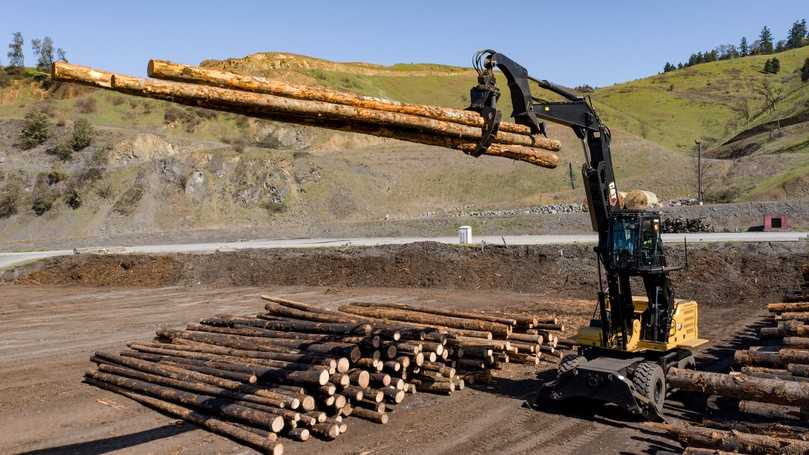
717,274
136,271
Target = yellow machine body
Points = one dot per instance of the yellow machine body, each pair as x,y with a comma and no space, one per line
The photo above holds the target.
684,331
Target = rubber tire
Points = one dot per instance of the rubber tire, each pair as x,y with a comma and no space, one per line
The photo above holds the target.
569,363
650,381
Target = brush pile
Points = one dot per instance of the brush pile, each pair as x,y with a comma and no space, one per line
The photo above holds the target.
275,100
299,370
770,391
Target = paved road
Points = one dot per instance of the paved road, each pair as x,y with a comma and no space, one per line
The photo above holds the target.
10,259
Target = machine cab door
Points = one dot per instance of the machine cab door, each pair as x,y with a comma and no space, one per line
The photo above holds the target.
651,244
635,242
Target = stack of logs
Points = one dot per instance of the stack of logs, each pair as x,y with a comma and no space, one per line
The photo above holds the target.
276,100
770,390
298,370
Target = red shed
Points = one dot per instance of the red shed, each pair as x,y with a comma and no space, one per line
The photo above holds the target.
773,222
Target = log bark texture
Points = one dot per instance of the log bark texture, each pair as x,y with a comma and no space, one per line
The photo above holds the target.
161,69
437,311
735,441
422,318
740,386
263,444
534,150
788,307
272,422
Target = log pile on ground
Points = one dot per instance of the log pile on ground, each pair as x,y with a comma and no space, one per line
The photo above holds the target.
298,370
770,390
275,100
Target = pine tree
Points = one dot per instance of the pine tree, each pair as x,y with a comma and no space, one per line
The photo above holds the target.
796,34
765,41
44,50
16,57
805,71
744,48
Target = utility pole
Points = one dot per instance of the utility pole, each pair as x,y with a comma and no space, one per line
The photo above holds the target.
570,171
699,171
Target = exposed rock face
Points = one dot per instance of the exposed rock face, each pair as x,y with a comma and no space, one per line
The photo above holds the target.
143,147
276,136
259,182
173,171
196,185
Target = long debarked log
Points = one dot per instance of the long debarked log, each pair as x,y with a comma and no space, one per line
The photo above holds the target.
796,342
259,332
800,316
785,329
740,386
161,69
262,443
340,363
314,375
278,309
190,386
168,349
436,311
184,374
735,441
292,325
272,422
535,150
772,373
778,358
776,411
788,307
277,345
422,318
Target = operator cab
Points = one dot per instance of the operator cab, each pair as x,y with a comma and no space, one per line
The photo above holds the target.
635,243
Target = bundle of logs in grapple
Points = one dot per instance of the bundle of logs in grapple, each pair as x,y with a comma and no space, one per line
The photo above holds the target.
299,370
770,391
276,100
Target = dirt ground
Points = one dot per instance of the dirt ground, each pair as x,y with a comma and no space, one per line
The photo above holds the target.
50,333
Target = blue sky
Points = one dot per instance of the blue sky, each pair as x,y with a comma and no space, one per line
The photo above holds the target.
586,41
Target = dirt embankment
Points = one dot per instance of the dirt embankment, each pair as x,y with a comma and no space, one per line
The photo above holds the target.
717,273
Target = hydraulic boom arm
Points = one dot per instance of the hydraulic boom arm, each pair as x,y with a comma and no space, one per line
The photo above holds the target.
628,241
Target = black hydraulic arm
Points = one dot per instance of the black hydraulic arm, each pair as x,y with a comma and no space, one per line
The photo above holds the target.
577,113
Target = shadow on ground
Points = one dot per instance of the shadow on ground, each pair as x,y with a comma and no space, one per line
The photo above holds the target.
106,445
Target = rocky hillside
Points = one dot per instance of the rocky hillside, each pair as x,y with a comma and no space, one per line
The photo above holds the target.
154,169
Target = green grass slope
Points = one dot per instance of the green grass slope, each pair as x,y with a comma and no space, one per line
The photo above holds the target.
712,101
198,169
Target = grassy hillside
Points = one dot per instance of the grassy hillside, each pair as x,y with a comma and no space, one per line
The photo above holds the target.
714,102
156,167
711,101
